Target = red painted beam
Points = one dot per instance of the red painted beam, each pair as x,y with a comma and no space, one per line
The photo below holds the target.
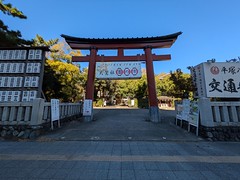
161,57
81,58
121,58
165,44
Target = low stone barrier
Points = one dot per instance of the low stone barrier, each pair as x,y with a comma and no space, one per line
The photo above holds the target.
221,133
219,120
29,119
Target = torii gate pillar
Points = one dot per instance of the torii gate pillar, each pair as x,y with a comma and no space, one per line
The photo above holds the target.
90,79
153,102
91,74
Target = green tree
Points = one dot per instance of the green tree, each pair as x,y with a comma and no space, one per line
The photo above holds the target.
182,83
99,87
141,90
62,80
61,51
104,89
40,41
164,85
133,88
126,88
9,37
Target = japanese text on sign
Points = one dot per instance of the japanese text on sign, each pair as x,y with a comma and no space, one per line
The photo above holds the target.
118,70
87,107
221,79
55,111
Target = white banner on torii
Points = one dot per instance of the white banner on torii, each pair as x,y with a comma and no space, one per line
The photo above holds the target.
118,70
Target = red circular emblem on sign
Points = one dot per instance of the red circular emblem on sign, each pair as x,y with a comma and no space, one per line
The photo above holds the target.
134,71
214,70
119,71
127,71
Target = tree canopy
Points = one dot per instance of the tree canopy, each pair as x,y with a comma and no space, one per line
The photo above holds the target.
62,80
10,37
182,83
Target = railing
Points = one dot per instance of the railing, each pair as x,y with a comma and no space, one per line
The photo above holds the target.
66,110
34,113
219,113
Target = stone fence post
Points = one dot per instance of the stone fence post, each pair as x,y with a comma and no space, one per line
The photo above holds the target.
37,112
206,114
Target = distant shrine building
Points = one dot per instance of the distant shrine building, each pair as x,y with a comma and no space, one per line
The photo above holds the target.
101,66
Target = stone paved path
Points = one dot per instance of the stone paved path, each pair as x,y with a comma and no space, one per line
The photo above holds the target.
124,124
119,160
66,154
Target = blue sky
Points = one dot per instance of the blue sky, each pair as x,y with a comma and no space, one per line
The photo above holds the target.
211,28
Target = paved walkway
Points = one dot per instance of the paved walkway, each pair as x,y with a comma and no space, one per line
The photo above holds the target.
119,160
60,155
124,124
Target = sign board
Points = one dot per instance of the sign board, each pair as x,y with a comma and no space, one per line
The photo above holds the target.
219,79
193,118
179,111
21,73
189,112
87,107
132,102
118,70
186,109
55,110
198,81
194,114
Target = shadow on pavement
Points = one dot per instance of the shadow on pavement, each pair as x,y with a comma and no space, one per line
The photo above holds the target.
122,124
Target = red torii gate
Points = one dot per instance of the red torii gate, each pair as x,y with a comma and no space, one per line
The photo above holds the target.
147,44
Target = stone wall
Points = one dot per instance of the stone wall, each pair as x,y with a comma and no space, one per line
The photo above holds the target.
18,132
220,133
